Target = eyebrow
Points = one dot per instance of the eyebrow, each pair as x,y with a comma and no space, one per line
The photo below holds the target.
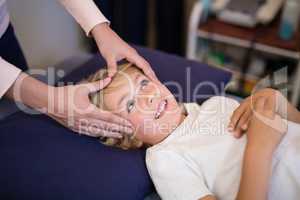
122,99
125,95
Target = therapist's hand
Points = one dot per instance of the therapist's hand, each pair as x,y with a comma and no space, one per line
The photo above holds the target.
73,109
69,105
114,49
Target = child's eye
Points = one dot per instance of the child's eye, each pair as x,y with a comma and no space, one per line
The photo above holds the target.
130,105
144,83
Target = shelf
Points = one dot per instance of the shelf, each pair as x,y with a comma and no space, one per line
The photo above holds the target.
264,35
262,38
247,44
235,72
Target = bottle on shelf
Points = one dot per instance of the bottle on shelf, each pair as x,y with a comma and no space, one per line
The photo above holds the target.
289,19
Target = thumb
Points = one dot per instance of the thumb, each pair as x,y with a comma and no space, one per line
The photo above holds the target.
98,85
111,66
143,65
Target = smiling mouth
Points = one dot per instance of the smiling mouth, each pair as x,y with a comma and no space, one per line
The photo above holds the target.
161,108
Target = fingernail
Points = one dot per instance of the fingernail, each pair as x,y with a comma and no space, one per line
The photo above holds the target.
230,128
244,127
236,134
107,79
119,136
233,134
131,131
128,124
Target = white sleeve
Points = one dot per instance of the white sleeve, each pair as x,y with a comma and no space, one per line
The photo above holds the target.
85,12
8,75
173,178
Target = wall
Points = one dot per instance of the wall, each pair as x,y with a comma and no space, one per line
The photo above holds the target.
47,33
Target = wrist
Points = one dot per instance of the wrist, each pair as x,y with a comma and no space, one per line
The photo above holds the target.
259,151
30,92
100,30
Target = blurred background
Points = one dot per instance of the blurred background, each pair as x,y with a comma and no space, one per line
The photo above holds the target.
250,38
157,24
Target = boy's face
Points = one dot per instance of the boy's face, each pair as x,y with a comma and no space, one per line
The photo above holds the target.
149,106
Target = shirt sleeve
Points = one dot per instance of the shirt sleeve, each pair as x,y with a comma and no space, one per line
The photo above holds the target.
9,74
174,178
85,12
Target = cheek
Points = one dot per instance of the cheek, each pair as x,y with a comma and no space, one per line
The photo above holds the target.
137,119
142,123
134,118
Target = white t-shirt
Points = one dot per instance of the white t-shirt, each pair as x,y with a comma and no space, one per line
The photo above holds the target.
202,158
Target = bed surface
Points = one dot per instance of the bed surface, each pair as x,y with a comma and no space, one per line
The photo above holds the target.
42,160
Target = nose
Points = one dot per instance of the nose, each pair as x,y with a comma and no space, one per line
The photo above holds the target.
149,99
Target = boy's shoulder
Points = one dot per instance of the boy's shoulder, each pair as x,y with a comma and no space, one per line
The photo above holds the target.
220,101
218,106
161,159
172,175
160,150
213,102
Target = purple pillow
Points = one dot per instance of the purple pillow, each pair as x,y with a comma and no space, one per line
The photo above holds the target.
189,81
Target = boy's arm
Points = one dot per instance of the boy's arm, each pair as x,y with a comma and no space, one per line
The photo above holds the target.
265,132
292,113
209,197
255,175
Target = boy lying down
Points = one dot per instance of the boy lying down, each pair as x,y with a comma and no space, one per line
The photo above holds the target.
191,155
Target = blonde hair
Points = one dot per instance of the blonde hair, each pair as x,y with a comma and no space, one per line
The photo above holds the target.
126,142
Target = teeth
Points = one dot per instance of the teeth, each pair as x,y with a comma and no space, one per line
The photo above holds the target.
160,109
157,115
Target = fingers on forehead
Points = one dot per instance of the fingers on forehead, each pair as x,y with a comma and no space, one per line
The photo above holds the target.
141,63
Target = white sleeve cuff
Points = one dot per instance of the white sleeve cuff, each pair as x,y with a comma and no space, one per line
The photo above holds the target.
86,13
9,74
